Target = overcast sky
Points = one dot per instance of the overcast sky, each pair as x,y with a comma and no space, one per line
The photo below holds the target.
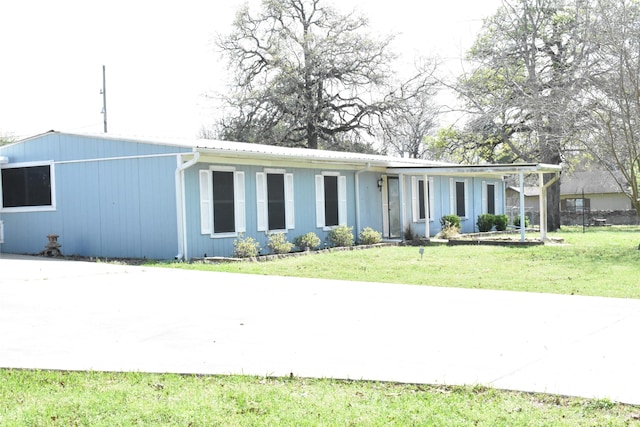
160,60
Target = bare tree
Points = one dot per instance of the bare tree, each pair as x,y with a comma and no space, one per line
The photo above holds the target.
415,116
613,102
305,75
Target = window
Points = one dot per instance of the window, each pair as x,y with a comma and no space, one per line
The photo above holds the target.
28,187
459,198
576,205
331,200
274,197
417,198
488,198
222,202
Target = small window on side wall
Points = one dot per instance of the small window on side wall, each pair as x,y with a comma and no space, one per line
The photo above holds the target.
28,188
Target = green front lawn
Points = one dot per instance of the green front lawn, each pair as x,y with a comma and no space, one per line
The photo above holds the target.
601,262
38,398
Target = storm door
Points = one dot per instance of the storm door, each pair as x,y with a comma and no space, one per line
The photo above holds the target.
393,199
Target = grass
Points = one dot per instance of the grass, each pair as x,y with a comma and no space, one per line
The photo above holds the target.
53,398
601,262
604,262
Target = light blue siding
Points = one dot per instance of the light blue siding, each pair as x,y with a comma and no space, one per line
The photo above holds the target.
104,208
117,198
304,200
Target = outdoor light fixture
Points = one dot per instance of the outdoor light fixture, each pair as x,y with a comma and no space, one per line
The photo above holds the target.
380,182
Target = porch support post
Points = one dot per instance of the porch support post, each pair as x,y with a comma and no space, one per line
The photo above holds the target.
402,204
427,207
522,213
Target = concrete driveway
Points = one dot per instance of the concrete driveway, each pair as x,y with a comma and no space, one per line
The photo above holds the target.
89,316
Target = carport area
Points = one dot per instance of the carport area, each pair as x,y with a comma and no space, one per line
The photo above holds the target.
70,315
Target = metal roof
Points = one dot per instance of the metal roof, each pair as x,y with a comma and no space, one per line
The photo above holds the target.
591,182
394,164
248,150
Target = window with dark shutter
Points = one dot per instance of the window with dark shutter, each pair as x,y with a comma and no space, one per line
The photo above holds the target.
460,200
223,202
331,200
421,212
491,199
276,201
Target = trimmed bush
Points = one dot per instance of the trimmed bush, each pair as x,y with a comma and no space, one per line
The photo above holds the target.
450,220
308,241
368,236
341,236
245,247
516,221
501,222
485,222
278,244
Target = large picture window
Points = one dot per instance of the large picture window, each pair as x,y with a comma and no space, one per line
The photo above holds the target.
331,200
222,202
274,191
28,187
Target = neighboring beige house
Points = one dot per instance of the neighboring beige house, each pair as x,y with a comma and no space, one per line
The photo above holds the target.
594,193
531,200
600,190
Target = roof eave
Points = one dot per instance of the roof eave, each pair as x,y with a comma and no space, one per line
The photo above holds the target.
490,170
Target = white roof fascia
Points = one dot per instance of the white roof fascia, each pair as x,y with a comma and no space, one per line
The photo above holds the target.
488,170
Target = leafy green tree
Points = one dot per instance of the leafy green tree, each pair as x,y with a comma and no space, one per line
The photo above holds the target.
6,139
305,75
525,85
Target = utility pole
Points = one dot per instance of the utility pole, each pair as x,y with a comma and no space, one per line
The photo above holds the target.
103,92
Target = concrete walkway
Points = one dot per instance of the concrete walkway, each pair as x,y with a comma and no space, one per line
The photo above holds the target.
91,316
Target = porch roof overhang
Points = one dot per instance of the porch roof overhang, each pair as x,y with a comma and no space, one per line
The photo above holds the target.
492,170
497,171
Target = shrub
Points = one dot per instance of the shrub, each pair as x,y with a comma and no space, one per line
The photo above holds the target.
341,236
369,236
448,232
245,247
450,220
409,235
309,241
278,244
516,221
485,222
501,222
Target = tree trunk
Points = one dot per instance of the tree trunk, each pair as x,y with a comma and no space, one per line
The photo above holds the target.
312,136
551,155
553,204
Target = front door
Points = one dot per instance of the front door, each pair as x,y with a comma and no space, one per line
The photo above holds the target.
393,203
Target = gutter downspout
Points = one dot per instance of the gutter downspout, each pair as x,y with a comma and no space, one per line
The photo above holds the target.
357,184
427,208
522,214
180,203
